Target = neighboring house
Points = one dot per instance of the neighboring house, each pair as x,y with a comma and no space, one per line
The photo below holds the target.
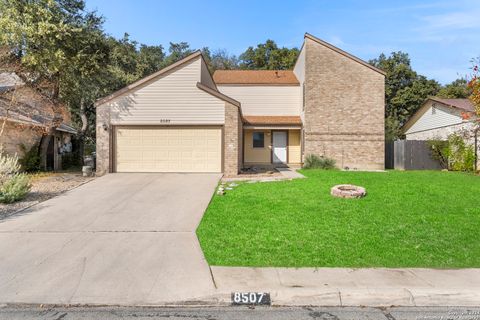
181,119
25,116
438,118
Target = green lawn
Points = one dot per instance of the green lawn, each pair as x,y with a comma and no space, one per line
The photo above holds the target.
408,219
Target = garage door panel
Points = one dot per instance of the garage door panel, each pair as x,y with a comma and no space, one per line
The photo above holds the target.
161,149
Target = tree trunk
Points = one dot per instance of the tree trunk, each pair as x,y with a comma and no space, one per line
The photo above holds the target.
83,130
56,121
7,114
43,148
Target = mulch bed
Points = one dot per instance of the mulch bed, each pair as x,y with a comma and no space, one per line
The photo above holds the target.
44,187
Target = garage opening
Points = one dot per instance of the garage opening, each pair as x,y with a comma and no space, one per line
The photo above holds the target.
168,149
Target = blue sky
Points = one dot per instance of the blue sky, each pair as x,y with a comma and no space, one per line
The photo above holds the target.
441,36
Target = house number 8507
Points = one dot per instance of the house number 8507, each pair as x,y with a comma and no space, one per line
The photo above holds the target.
250,298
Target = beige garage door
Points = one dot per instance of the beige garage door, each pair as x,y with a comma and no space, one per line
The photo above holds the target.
163,149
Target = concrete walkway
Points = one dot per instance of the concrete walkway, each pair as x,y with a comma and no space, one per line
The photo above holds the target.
126,239
353,287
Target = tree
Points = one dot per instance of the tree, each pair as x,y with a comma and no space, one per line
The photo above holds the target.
405,91
177,52
267,56
224,61
474,85
219,60
456,89
122,66
149,59
53,40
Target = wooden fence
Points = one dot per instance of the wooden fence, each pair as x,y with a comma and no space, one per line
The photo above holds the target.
409,155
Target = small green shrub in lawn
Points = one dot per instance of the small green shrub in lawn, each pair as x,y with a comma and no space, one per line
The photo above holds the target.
15,188
315,162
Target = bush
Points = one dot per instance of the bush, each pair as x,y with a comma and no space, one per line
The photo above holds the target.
15,188
71,160
454,154
439,151
13,185
315,162
461,157
89,149
31,160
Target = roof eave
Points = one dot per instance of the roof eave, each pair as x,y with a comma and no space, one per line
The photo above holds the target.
218,94
253,84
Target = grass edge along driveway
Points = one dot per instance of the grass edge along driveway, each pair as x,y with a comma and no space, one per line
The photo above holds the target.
408,219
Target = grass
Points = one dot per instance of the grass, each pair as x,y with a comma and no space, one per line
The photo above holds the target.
408,219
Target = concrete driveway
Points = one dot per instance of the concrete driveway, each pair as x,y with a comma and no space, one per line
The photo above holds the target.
120,239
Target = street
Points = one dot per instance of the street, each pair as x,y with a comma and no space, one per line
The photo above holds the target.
233,313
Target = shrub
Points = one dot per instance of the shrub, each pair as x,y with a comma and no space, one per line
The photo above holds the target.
454,154
71,160
315,162
15,188
439,151
461,157
13,185
8,164
89,149
31,160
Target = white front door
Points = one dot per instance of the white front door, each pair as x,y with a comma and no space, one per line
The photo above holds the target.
279,147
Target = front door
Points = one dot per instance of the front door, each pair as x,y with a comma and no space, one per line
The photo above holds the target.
279,147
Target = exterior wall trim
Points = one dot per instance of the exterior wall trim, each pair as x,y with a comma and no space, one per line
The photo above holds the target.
219,95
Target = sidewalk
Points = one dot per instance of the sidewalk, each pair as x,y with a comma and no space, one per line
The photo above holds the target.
352,287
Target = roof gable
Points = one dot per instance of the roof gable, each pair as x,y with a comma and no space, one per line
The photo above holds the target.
452,106
129,88
344,53
462,104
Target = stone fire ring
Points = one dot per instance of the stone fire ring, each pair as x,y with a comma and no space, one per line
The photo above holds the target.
348,191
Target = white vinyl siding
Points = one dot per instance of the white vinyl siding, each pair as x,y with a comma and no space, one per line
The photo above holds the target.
266,100
441,133
442,117
173,98
168,149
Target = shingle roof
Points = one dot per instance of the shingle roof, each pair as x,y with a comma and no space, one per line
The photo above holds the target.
8,80
252,77
272,120
34,120
464,104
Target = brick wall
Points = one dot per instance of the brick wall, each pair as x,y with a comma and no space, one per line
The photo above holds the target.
344,109
232,140
103,140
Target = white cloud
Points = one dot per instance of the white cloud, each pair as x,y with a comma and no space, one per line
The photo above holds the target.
452,20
